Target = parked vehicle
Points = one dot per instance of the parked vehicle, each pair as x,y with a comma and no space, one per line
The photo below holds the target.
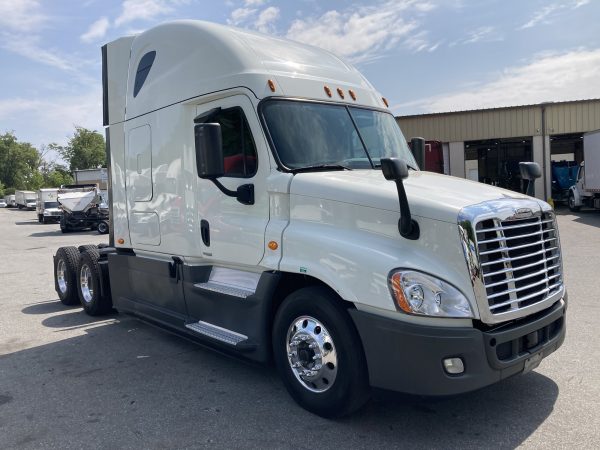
290,222
10,201
2,203
47,205
564,175
82,208
25,199
586,191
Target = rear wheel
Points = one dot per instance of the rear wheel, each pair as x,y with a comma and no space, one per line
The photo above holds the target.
65,273
318,353
88,286
41,218
572,206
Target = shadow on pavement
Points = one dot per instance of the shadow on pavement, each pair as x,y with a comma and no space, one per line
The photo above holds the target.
585,216
153,389
57,232
48,307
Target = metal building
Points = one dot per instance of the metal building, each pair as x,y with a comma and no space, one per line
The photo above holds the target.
486,145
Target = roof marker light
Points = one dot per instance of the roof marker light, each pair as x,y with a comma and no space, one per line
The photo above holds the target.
271,85
385,102
352,94
327,91
340,92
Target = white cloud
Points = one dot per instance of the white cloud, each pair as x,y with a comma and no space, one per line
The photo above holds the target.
54,118
547,14
265,20
256,2
362,33
28,47
551,77
21,15
96,31
145,9
240,15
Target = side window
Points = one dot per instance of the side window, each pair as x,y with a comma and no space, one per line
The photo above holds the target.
142,71
239,150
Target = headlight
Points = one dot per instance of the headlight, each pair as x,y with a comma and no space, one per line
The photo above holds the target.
425,295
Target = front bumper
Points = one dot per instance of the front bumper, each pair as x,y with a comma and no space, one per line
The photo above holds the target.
409,358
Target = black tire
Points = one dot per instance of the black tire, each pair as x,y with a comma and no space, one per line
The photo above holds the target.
64,227
572,206
66,263
83,248
350,389
44,220
102,227
41,218
92,301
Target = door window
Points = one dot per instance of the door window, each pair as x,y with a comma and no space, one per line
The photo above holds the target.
239,150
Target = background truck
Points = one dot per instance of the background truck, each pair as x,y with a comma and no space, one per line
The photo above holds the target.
586,191
267,205
25,199
47,205
83,207
11,201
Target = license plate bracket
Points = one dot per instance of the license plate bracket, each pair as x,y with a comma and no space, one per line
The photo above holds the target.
532,362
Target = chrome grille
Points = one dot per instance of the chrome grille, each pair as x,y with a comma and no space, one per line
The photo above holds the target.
520,261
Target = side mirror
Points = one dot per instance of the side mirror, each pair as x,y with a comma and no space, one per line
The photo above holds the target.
394,169
417,148
530,171
209,150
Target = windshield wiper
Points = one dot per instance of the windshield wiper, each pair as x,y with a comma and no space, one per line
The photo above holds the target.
377,166
320,167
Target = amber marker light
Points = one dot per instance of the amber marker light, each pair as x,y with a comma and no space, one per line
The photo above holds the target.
340,92
273,245
385,102
327,91
271,85
396,283
120,241
352,94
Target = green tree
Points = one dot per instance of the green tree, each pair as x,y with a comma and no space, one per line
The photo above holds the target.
19,163
85,150
2,194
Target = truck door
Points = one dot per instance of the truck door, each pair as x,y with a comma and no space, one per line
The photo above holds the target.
233,233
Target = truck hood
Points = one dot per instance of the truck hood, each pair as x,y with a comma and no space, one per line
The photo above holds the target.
430,195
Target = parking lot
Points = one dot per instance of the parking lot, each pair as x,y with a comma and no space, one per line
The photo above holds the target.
71,381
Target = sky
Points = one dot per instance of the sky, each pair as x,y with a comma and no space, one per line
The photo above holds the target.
422,55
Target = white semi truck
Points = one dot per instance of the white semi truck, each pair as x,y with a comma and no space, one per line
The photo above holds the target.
264,201
25,199
47,205
586,191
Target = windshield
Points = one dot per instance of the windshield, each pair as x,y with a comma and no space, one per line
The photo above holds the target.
50,205
319,134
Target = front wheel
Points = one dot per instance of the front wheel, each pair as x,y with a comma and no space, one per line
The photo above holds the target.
572,206
318,353
102,227
64,227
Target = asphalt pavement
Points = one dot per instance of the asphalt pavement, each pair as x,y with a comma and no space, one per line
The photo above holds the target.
68,380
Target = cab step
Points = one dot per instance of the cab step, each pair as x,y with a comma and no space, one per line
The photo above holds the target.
218,333
221,288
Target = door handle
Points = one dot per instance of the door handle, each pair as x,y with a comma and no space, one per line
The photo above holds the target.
205,232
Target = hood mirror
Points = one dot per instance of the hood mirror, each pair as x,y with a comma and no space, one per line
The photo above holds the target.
530,171
396,170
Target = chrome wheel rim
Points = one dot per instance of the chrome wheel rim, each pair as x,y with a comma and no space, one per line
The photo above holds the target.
61,268
311,354
85,281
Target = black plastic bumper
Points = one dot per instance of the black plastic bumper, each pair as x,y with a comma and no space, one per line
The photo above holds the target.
409,358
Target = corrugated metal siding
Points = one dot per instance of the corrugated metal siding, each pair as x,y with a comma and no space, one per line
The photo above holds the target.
568,117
